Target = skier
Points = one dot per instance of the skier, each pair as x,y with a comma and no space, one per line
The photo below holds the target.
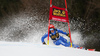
57,39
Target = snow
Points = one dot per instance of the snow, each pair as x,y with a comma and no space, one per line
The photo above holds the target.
30,49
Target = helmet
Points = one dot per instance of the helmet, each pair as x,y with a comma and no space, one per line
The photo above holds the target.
51,26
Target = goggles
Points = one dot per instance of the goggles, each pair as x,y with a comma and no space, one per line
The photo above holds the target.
51,29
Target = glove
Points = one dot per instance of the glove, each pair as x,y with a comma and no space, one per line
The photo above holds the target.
44,43
68,35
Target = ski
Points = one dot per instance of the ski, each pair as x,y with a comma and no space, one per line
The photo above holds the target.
91,49
86,49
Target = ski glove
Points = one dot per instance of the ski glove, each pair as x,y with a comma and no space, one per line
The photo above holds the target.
68,35
44,43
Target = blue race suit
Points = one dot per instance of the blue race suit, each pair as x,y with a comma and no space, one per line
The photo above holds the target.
57,39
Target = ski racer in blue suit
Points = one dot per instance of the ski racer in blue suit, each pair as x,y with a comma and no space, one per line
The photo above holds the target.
57,39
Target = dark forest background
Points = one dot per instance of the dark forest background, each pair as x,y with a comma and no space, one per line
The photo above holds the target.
85,11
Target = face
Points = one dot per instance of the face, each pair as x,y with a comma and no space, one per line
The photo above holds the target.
52,31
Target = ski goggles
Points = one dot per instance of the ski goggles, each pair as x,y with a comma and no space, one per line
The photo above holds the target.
51,29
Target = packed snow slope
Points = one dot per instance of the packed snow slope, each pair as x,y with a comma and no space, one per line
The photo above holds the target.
30,49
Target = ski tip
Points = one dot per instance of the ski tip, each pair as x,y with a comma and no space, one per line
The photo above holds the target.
91,49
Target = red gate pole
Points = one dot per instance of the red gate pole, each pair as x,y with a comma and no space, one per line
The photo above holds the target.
68,25
65,4
48,33
49,24
70,34
50,2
